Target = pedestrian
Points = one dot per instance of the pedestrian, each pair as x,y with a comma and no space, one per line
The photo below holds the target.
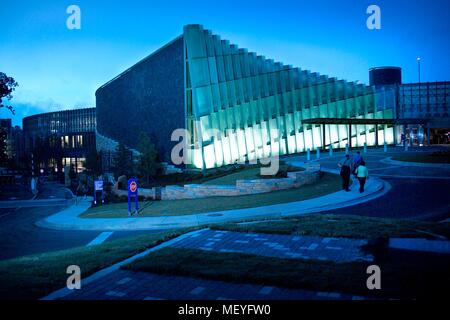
357,161
345,164
362,173
78,191
85,191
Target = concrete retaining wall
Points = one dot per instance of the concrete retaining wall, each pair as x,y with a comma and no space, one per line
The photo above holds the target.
243,187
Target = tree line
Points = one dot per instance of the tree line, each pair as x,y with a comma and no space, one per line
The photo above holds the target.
144,166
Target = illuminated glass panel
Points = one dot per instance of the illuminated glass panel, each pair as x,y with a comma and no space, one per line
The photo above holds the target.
264,103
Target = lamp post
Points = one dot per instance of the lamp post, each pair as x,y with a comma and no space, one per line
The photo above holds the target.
419,93
418,67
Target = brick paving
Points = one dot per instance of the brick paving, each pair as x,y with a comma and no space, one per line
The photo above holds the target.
280,246
130,285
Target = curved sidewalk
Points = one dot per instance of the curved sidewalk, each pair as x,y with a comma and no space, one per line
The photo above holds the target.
69,219
389,160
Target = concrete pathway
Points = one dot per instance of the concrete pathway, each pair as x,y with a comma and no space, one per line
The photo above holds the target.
115,283
69,219
389,160
279,246
128,285
423,245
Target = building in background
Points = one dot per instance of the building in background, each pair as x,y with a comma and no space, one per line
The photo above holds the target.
11,144
60,139
5,141
425,105
428,101
236,105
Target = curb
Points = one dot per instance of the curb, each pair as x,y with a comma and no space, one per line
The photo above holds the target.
389,160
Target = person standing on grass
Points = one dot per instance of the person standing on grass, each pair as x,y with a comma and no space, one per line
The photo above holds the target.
345,164
362,173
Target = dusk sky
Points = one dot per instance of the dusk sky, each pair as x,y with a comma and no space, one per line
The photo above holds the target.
58,68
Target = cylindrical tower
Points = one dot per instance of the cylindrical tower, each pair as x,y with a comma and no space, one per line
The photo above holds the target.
384,76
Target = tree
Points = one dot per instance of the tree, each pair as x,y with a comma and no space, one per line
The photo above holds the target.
93,163
7,86
147,165
123,161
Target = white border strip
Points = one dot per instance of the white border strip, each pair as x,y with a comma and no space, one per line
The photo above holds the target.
100,238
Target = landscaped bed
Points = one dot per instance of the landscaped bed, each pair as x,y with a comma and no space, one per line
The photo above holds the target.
219,176
404,274
351,226
435,157
251,174
34,276
328,183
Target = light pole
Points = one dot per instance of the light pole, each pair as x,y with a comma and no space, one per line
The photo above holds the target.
418,67
420,93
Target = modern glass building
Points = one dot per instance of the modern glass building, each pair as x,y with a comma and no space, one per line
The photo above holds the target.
428,101
236,105
60,139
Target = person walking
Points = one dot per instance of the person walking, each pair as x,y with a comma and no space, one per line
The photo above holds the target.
357,159
345,164
362,173
79,191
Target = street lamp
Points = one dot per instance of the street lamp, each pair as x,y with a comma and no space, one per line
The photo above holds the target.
418,66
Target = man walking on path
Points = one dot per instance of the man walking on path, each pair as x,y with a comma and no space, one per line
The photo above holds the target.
357,161
362,173
345,165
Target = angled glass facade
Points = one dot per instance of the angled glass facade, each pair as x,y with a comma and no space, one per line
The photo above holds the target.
241,106
236,105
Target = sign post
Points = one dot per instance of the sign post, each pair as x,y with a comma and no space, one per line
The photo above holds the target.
132,192
98,186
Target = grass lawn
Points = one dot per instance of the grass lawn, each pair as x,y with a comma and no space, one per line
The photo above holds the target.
435,157
328,225
32,277
328,183
404,275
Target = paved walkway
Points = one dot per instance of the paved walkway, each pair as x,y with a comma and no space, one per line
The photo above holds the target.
381,165
278,246
69,219
423,245
389,160
129,285
416,192
114,283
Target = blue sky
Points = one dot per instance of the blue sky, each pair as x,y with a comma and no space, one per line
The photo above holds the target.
58,68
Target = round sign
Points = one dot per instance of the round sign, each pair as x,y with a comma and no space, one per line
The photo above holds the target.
133,186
